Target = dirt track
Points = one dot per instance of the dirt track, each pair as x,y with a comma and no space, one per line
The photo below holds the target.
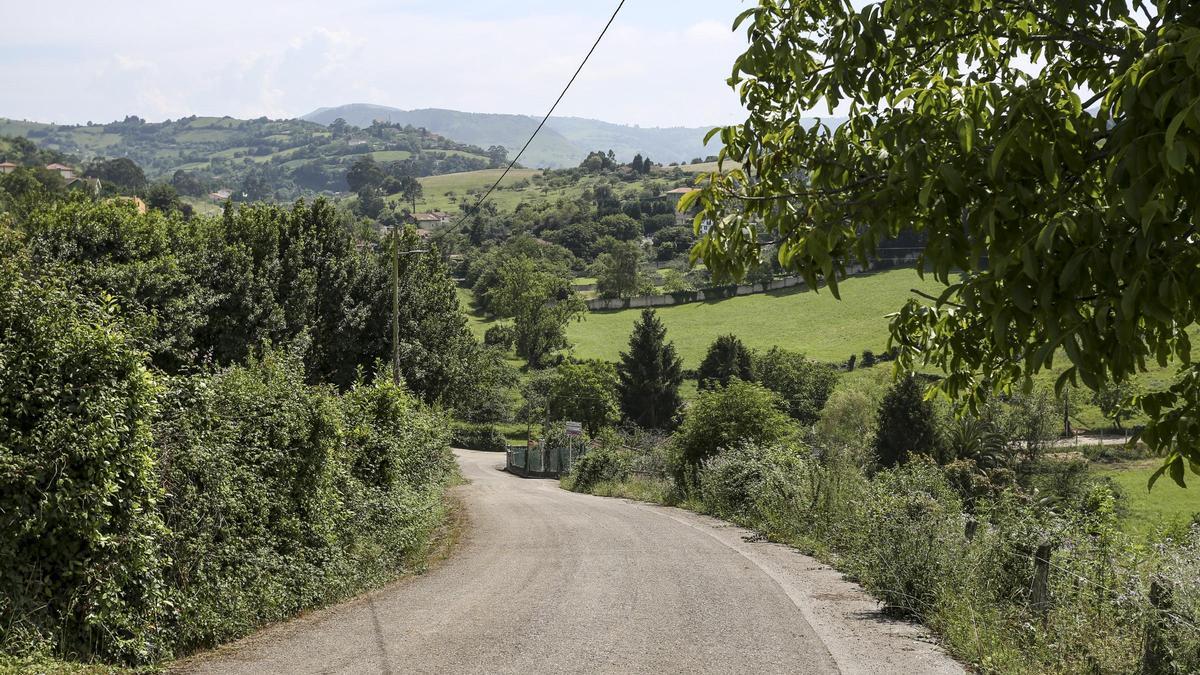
550,581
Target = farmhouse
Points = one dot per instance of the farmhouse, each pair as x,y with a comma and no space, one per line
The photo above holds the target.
7,167
220,195
429,219
674,196
63,170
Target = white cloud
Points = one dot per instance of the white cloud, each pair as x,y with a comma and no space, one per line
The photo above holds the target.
80,61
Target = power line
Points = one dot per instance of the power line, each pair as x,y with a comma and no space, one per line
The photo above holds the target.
544,119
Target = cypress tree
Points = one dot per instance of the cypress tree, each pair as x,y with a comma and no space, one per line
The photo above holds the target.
649,375
726,359
906,425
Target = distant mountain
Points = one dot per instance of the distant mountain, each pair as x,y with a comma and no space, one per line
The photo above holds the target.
565,141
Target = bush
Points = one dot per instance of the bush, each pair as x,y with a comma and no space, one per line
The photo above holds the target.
727,359
606,463
907,426
79,531
731,481
742,413
804,385
487,438
500,335
910,538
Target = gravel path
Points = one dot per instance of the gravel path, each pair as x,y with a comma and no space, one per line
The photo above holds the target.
548,581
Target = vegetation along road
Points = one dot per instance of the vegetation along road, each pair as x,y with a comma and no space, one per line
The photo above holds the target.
553,581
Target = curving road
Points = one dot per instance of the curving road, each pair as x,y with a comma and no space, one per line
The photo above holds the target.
548,581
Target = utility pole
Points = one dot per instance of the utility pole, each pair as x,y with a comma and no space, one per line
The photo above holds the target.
396,253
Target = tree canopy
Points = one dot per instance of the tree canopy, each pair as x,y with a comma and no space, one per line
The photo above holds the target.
1058,199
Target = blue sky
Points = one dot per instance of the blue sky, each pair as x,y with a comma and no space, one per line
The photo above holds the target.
664,63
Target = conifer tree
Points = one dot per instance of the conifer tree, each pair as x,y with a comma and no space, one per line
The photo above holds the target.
906,424
649,375
726,359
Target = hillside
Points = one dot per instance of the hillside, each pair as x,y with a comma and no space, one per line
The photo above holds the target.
565,141
266,159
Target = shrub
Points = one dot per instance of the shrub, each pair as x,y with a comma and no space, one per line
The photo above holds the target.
78,525
500,335
283,496
804,385
742,413
479,437
605,463
727,359
731,480
907,425
910,537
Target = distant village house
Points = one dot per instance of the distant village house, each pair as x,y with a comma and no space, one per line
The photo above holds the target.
430,219
63,170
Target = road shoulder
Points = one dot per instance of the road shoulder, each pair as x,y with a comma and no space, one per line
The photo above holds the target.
859,637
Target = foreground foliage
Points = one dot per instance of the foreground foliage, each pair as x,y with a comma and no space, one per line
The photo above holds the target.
144,513
1072,222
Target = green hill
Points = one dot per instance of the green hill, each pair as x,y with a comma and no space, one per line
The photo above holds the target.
565,141
268,159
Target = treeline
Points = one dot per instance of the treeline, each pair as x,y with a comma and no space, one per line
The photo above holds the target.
197,434
971,523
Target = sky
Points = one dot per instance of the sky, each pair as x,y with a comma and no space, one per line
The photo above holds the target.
663,63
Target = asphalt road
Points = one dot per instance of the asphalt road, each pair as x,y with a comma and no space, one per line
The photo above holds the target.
547,581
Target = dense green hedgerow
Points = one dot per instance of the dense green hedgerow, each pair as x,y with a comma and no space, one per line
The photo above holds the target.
79,529
282,496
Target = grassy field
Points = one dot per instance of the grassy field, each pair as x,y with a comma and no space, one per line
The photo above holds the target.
1165,506
813,323
440,189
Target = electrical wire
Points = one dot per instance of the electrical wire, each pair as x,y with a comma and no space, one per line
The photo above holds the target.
479,203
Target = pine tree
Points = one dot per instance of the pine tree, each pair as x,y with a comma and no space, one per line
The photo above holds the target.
636,165
649,375
726,359
906,425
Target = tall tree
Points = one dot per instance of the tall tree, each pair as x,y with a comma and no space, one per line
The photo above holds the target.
585,392
121,173
541,305
364,173
727,358
1060,205
618,270
411,190
649,375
